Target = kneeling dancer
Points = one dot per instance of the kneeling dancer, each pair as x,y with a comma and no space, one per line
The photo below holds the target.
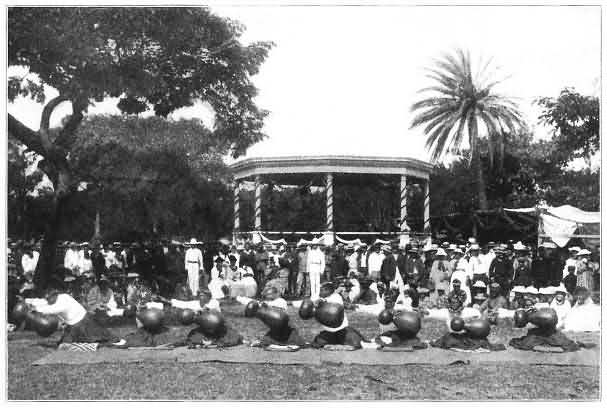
281,333
398,325
212,331
336,333
471,335
545,336
80,327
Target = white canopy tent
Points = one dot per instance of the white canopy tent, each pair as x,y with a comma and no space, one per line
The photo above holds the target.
561,224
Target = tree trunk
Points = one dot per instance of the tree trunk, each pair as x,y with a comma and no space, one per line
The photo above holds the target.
48,255
97,233
481,186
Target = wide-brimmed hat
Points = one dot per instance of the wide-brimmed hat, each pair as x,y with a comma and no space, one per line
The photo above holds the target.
584,252
531,290
441,252
518,289
386,248
549,290
479,284
475,247
519,246
548,244
575,249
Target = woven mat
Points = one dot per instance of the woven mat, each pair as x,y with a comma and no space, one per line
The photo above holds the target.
248,355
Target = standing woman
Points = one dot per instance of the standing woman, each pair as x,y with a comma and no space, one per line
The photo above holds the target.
193,264
584,270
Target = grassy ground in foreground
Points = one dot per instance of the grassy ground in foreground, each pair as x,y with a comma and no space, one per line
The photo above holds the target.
250,381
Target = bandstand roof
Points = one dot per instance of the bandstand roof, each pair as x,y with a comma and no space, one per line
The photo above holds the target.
355,165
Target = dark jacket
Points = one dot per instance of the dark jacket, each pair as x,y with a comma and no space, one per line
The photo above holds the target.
387,272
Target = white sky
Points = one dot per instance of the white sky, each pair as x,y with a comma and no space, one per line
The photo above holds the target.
340,80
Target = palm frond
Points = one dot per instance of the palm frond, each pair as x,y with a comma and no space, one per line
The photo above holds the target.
436,121
439,90
430,114
431,102
450,65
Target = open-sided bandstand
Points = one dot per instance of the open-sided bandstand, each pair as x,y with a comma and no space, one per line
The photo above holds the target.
302,170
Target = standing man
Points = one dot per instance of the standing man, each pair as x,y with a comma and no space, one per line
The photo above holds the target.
316,267
302,270
194,266
71,260
374,262
501,270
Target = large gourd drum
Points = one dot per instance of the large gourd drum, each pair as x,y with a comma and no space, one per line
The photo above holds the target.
330,314
407,323
151,319
276,319
306,309
211,322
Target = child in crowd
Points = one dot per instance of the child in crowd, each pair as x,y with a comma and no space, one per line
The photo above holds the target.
561,305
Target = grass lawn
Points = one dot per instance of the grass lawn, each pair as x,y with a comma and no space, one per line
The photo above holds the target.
255,381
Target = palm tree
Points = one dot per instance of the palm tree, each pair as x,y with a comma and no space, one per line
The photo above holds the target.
457,104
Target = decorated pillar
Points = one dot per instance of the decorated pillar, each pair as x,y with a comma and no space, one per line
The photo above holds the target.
236,228
330,229
256,236
404,228
427,228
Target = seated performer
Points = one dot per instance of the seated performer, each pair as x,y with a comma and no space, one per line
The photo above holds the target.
79,326
342,335
389,334
281,332
456,301
491,307
220,335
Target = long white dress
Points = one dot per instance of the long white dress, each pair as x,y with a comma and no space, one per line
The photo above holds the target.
193,264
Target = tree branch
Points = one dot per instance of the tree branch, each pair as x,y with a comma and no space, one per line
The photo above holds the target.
25,135
66,136
48,111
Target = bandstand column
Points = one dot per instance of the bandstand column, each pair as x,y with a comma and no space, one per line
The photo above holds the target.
236,211
404,228
330,230
256,236
427,228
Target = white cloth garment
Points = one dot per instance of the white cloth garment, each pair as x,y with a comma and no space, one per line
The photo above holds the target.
562,311
586,317
28,263
316,267
193,264
374,264
66,307
71,260
194,305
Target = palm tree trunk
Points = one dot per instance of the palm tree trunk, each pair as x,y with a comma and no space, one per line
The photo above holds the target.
481,186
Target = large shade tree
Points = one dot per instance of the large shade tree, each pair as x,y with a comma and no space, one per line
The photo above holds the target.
161,59
462,105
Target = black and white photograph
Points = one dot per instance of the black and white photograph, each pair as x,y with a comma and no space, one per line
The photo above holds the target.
285,202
